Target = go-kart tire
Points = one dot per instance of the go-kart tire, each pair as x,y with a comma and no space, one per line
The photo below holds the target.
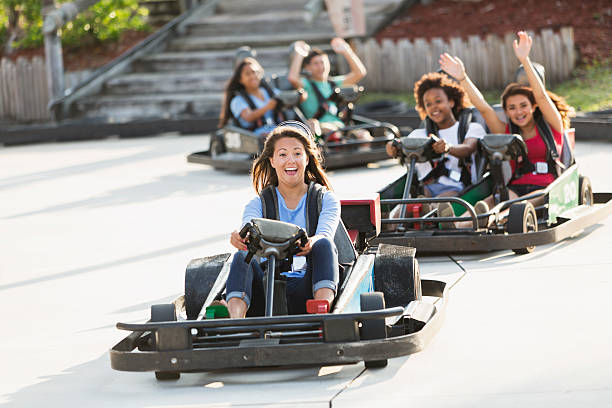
164,313
522,219
586,191
373,329
397,274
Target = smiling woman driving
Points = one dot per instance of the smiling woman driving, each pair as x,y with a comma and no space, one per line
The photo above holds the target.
288,167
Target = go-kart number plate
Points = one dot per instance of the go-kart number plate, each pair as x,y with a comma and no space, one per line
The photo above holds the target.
232,140
563,196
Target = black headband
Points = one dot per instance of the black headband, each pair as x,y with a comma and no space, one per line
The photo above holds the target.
297,125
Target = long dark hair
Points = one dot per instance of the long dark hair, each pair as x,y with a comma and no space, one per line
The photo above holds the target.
565,110
264,175
452,90
234,85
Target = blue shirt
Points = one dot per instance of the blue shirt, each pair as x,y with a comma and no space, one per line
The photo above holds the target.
328,220
239,104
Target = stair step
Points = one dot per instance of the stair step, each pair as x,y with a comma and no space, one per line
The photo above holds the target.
126,108
207,60
171,82
246,6
261,40
260,23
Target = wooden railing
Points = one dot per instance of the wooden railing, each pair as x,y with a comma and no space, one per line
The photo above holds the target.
490,62
23,90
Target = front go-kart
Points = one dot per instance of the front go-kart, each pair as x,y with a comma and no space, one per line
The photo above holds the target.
234,148
561,210
379,312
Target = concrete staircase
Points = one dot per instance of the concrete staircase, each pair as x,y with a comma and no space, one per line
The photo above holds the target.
188,76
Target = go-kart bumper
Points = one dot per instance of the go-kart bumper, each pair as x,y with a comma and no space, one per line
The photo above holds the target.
335,155
456,241
338,341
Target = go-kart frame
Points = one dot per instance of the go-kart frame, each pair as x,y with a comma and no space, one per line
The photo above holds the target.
360,327
233,147
563,209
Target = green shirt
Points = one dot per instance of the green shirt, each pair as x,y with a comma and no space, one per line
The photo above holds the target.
311,105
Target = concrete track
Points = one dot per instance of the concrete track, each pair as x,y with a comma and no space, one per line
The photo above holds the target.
92,233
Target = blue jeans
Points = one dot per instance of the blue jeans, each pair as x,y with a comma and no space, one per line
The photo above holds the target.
245,281
435,189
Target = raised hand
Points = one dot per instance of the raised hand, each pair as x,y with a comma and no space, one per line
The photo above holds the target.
522,46
339,45
301,48
452,66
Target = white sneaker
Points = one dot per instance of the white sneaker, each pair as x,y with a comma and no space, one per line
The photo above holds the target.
481,207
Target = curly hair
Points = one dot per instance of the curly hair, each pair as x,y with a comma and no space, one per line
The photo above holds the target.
439,80
565,110
264,175
234,85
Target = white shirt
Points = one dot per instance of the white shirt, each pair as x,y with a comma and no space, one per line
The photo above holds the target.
475,130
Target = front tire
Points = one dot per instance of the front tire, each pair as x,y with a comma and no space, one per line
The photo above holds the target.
586,191
522,219
164,313
373,329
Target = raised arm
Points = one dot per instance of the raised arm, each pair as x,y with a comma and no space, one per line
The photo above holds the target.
454,67
522,47
295,69
358,70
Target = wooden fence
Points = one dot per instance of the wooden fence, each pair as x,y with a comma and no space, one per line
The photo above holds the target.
23,90
490,62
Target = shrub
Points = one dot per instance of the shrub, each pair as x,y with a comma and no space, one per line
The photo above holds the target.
104,21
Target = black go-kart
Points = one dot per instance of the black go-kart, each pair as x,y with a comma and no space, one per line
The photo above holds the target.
380,310
234,148
561,210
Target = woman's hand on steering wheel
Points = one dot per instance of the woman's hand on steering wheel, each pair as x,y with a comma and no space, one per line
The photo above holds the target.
305,250
237,241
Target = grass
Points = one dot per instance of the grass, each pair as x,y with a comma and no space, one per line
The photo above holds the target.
590,89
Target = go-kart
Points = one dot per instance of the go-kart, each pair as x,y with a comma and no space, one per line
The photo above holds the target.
561,210
233,147
379,312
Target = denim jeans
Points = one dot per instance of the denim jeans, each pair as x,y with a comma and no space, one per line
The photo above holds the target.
245,281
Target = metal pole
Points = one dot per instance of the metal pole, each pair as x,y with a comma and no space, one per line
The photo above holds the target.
270,285
53,43
54,64
409,175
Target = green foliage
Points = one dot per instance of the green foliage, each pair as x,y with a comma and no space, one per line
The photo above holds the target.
104,21
591,87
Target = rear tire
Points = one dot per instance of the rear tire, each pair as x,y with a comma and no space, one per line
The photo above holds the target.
373,329
586,191
522,219
164,313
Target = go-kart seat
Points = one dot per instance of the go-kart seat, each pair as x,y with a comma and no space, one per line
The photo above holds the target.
362,218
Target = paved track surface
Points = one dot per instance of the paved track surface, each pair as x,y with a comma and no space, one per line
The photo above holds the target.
92,233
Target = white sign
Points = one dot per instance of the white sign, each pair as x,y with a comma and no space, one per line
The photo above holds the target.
347,17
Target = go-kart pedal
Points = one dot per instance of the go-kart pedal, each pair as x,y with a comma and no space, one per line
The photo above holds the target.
217,310
317,306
